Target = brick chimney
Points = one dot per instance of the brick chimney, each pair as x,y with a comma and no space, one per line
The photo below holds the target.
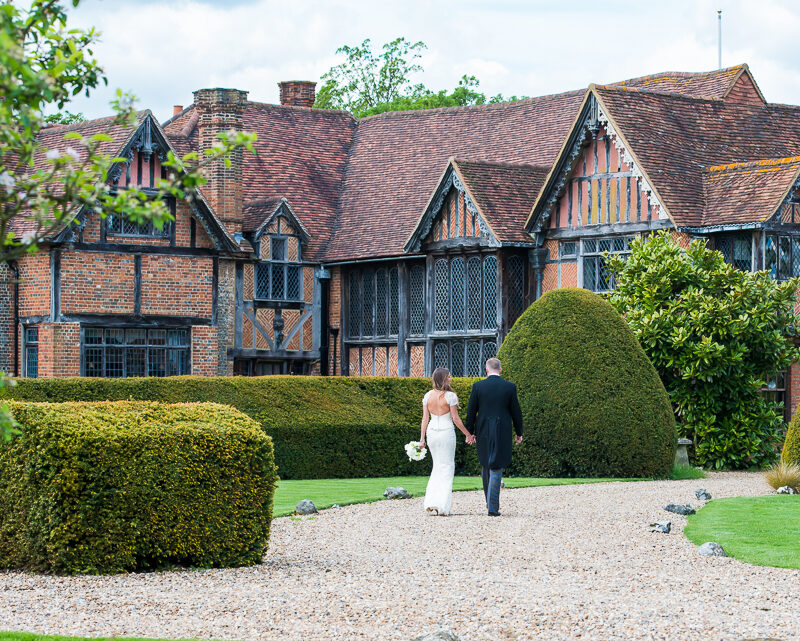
176,109
221,110
298,93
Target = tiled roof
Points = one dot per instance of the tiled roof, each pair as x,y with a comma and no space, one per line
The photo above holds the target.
397,159
255,212
710,84
674,138
504,193
748,191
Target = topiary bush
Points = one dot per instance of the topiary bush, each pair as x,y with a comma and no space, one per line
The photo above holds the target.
791,446
592,402
121,486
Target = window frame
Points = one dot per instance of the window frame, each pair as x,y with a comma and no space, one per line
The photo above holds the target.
793,243
389,304
291,280
480,313
31,347
128,346
596,257
143,230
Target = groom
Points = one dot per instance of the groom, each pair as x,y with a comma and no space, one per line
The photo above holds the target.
493,407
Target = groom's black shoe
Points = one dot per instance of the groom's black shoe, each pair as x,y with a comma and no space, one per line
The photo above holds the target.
494,513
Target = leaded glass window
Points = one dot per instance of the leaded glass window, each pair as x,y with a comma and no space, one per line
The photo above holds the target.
516,288
466,294
417,298
596,275
736,250
782,256
122,352
374,305
280,277
464,358
31,352
121,226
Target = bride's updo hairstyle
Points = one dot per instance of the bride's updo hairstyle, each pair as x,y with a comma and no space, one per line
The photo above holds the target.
440,384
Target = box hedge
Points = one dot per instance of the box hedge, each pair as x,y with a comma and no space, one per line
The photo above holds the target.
791,446
118,486
592,402
322,427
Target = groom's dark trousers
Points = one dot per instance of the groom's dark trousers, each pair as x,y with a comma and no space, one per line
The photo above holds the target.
492,411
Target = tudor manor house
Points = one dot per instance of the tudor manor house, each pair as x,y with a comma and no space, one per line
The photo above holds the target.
390,245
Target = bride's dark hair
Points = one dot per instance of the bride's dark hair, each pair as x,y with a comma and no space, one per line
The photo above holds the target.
440,384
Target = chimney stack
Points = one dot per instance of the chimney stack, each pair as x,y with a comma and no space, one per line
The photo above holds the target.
221,110
176,109
298,93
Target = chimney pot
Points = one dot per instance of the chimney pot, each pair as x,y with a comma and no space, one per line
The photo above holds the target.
298,93
177,109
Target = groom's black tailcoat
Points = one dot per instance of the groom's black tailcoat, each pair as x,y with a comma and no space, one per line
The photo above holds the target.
493,409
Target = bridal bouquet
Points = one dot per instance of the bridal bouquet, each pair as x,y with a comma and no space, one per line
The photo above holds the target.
414,451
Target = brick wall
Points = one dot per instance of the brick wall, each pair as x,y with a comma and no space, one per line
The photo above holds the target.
94,283
34,290
59,350
180,285
221,110
205,351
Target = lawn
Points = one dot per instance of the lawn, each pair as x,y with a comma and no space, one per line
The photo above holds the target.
327,492
762,530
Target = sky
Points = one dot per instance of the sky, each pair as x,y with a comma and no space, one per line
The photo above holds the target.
162,51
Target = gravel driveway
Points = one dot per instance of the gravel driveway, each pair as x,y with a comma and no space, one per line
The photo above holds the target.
571,562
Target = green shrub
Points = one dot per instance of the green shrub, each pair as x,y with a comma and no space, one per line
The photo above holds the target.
791,446
117,486
592,402
713,332
321,427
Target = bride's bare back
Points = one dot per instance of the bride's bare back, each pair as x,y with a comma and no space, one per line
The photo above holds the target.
437,403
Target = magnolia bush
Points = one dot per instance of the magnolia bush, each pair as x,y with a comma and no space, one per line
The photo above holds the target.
714,334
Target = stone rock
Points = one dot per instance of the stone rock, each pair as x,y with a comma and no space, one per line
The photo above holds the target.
683,510
334,506
306,506
439,635
396,493
711,549
661,526
682,452
786,490
702,494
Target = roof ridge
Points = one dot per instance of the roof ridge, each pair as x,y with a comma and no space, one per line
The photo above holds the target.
497,163
177,115
272,105
655,92
685,74
485,106
78,125
765,162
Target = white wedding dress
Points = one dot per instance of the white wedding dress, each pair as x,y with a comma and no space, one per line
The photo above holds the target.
441,440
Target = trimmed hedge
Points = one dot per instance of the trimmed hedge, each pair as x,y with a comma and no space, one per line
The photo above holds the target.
119,486
592,402
321,427
791,446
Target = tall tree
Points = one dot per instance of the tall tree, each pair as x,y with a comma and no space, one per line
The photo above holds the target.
367,83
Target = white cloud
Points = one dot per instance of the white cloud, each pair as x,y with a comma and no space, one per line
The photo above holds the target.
163,51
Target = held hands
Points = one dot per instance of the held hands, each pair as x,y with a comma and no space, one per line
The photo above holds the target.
470,439
518,439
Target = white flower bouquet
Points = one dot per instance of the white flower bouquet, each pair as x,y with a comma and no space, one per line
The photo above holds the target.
415,452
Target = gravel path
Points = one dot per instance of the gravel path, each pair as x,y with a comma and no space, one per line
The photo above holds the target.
572,562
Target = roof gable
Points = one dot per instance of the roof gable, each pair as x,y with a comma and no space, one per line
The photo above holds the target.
260,215
736,83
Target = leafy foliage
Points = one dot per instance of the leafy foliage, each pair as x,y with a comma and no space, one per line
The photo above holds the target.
791,446
592,402
65,118
713,332
367,83
113,487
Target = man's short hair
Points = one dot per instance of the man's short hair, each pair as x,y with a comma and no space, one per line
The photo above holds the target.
493,364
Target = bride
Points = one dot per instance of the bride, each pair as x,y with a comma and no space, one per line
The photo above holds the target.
439,413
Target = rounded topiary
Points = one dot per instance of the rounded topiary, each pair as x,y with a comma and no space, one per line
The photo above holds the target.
590,397
791,446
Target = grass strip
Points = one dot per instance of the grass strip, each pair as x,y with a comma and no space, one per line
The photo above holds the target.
762,530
